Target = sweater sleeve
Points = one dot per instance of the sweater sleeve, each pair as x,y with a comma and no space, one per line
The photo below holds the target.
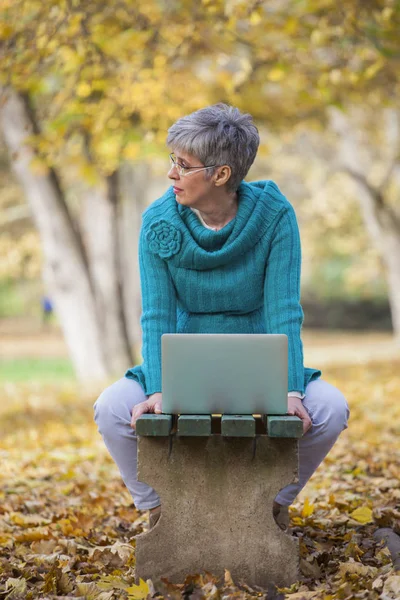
158,315
283,312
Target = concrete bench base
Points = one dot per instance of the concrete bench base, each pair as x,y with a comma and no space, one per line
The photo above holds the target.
216,508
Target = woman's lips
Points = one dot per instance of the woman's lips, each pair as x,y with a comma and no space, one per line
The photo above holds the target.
177,190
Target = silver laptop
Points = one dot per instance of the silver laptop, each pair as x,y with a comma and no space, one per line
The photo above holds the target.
224,373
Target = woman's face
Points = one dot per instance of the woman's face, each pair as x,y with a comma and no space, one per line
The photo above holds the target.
194,189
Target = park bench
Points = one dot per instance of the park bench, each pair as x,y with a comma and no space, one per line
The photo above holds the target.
217,478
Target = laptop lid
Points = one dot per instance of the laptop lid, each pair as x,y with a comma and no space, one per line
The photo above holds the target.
224,373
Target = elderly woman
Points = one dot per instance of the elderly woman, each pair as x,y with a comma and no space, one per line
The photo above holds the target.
218,255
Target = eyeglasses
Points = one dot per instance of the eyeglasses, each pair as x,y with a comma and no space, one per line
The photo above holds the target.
184,171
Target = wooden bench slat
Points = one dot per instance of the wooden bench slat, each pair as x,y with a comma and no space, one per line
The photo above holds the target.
150,424
277,426
194,425
284,426
238,426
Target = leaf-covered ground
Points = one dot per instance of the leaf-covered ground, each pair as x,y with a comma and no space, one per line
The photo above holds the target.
67,523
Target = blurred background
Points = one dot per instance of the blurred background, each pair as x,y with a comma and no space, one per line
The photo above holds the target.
88,93
88,89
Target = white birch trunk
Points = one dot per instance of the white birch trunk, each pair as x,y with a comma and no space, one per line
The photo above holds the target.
392,260
134,185
65,270
382,219
100,223
385,232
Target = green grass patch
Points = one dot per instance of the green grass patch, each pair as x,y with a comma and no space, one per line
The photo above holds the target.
36,369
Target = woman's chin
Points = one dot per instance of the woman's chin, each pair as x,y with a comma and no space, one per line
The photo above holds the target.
181,198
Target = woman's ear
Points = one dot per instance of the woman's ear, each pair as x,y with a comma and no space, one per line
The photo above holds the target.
222,175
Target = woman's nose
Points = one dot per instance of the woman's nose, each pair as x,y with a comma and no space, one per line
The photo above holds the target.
173,173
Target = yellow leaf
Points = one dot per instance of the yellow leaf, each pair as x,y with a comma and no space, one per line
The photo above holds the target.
291,26
89,173
276,74
5,31
308,509
228,579
363,514
138,592
160,61
110,582
15,586
33,535
83,89
373,69
255,18
317,37
27,520
5,538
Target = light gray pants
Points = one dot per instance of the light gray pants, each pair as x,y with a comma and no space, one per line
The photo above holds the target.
326,406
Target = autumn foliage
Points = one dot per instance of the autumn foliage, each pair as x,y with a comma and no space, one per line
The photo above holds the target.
108,81
67,523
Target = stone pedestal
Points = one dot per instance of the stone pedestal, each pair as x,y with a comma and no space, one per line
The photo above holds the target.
216,508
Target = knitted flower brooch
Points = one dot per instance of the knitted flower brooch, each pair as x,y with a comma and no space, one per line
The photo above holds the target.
164,239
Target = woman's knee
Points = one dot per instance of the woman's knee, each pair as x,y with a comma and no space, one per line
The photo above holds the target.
329,407
102,407
115,403
340,411
111,404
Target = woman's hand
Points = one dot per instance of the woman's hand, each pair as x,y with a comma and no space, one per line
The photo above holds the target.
151,405
296,408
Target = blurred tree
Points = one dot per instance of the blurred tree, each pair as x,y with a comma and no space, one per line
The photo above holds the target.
376,182
336,67
339,260
77,80
89,86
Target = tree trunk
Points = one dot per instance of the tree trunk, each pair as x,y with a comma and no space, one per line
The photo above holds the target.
384,228
100,223
392,260
382,220
65,267
134,186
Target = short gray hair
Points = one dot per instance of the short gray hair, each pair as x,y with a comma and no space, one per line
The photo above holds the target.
218,135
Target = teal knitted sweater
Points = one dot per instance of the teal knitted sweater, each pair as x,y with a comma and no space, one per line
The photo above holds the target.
244,278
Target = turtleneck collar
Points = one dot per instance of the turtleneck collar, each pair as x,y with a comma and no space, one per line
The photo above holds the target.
202,248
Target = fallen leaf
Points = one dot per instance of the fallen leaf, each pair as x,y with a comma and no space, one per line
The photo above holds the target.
377,584
302,596
363,515
44,546
112,582
310,568
15,587
356,568
308,509
228,579
32,535
391,588
138,592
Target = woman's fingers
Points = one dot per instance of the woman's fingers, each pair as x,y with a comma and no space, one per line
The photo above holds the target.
138,410
151,405
307,423
298,410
